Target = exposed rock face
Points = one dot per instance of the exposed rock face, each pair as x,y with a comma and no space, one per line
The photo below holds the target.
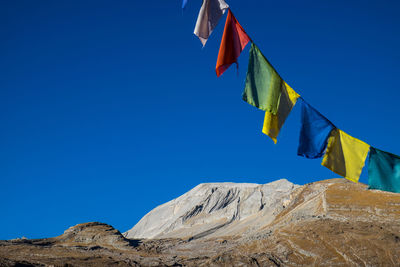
327,223
215,209
93,234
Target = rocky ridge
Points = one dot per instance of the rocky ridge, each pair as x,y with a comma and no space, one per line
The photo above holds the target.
328,223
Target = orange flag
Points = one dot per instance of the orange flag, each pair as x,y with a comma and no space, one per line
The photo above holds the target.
233,42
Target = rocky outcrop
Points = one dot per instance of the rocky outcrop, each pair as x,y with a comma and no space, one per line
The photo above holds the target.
93,234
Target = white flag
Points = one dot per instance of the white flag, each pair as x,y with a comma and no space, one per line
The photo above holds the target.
210,13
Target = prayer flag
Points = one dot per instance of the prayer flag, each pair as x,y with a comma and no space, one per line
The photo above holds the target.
345,155
383,171
210,13
315,130
234,40
274,122
184,2
263,84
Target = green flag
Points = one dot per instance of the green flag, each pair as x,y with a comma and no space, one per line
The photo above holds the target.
263,84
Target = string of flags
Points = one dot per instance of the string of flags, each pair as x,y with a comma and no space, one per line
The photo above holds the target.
266,90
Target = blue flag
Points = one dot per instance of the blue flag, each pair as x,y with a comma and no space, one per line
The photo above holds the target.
383,171
184,2
315,130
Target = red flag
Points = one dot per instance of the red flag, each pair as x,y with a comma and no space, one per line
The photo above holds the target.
233,42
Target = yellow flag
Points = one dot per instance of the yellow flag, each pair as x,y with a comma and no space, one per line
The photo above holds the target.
273,123
345,155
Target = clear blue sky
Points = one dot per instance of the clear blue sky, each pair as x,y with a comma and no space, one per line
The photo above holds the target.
110,108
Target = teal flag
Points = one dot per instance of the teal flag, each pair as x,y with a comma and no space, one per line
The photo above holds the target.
383,171
263,84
